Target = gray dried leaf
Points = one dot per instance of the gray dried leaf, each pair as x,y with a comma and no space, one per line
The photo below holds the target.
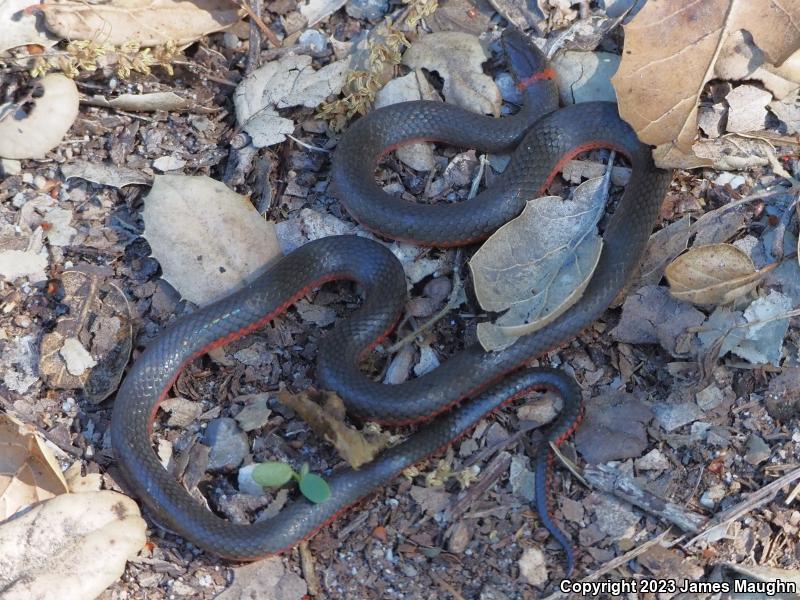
537,265
458,58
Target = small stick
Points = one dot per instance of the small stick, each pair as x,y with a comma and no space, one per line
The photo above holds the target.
753,501
309,574
617,483
617,562
270,35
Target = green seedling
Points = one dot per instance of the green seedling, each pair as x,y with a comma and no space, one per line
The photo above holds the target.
274,474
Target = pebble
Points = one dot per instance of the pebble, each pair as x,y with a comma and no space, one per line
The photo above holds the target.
316,41
712,496
229,445
230,41
615,519
532,567
522,479
757,450
372,10
709,398
459,538
246,483
672,416
255,414
653,461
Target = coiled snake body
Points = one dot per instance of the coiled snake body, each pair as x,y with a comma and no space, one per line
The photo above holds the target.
467,386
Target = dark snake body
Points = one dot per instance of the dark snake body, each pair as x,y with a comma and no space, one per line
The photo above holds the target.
467,386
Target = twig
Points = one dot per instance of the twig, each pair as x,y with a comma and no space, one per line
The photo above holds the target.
493,472
305,145
254,39
452,302
270,35
753,501
570,466
617,483
617,562
309,574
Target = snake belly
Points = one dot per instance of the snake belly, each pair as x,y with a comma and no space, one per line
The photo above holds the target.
467,386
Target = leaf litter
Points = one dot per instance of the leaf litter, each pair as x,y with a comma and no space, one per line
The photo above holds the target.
684,415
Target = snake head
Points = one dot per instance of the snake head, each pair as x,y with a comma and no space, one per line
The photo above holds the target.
525,60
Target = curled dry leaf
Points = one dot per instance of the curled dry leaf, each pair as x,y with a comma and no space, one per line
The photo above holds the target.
327,422
168,101
458,58
97,333
537,265
208,239
150,23
71,547
713,274
674,47
104,174
29,473
31,131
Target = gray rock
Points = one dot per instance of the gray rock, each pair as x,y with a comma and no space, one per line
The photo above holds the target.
712,496
757,450
700,430
522,479
372,10
315,40
255,414
672,416
718,436
246,483
615,519
653,461
710,397
228,444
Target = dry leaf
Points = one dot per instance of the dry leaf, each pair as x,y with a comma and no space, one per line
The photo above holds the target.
71,547
585,76
208,239
148,22
413,86
30,263
19,27
756,335
96,334
29,473
664,246
538,264
78,482
290,81
458,58
673,47
32,132
327,422
168,101
104,174
713,274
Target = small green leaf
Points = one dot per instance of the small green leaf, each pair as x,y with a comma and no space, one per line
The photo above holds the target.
272,474
304,470
315,488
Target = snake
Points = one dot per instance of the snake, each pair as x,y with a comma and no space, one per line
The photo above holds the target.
448,401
